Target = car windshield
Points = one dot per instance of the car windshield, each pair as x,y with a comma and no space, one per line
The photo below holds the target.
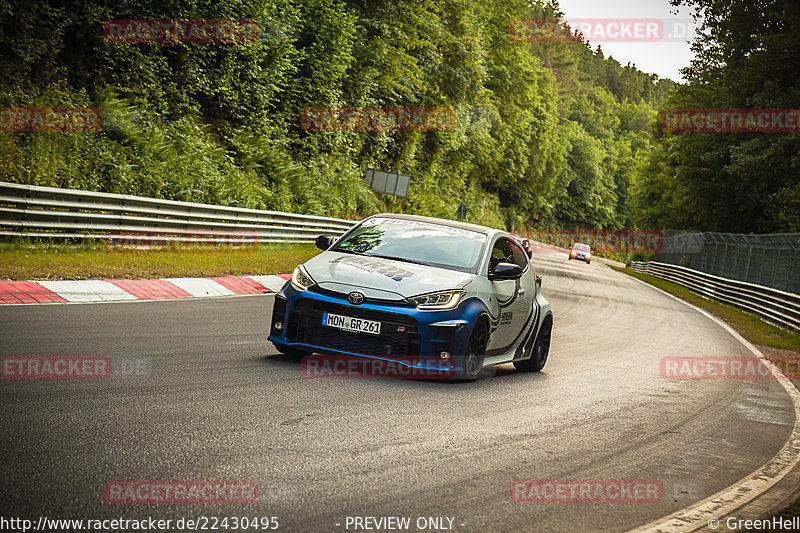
581,247
417,242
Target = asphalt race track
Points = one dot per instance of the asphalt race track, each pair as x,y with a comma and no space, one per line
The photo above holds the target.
217,403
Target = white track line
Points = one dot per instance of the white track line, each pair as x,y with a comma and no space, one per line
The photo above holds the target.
725,502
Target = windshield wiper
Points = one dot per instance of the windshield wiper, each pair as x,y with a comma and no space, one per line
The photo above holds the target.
396,258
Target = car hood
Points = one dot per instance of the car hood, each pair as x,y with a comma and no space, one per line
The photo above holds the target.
343,272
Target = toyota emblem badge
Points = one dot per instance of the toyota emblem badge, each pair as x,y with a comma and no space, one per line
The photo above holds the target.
355,298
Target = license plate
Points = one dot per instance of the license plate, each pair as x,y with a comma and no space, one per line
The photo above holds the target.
349,323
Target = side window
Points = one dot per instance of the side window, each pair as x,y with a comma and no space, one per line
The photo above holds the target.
520,257
505,251
499,253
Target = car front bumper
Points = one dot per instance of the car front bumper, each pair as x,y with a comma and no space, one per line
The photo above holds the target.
409,336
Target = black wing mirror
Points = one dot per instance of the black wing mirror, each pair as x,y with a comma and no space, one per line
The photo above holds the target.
505,271
323,242
539,280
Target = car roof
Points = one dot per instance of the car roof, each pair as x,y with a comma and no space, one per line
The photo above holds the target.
442,222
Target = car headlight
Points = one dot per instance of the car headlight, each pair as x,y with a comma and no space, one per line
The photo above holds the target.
438,300
300,279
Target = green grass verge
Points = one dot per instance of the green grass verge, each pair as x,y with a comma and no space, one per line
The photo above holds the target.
38,261
749,325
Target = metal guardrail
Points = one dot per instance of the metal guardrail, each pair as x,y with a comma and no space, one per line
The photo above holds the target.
774,305
48,212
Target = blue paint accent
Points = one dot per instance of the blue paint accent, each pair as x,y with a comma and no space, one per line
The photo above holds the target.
431,337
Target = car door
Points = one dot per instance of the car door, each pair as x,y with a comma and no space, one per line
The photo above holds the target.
511,303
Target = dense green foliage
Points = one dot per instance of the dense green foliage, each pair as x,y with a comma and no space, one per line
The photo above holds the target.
548,134
748,56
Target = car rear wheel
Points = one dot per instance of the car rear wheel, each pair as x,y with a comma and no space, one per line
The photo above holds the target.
476,351
541,349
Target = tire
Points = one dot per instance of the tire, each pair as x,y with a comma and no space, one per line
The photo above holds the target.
475,353
541,349
570,258
588,262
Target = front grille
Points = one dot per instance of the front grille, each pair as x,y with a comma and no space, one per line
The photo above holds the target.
398,339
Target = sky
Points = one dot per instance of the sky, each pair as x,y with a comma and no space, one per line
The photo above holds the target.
664,58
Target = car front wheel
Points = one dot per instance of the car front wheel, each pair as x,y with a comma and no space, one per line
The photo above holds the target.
476,351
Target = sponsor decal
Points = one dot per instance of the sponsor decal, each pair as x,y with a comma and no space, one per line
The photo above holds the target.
474,235
390,271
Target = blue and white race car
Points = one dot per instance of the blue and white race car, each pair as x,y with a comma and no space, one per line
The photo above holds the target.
424,292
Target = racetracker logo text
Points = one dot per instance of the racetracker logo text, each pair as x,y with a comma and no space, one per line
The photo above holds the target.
602,30
352,367
737,120
72,367
202,31
180,239
50,119
377,119
728,368
55,367
603,240
586,491
180,492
